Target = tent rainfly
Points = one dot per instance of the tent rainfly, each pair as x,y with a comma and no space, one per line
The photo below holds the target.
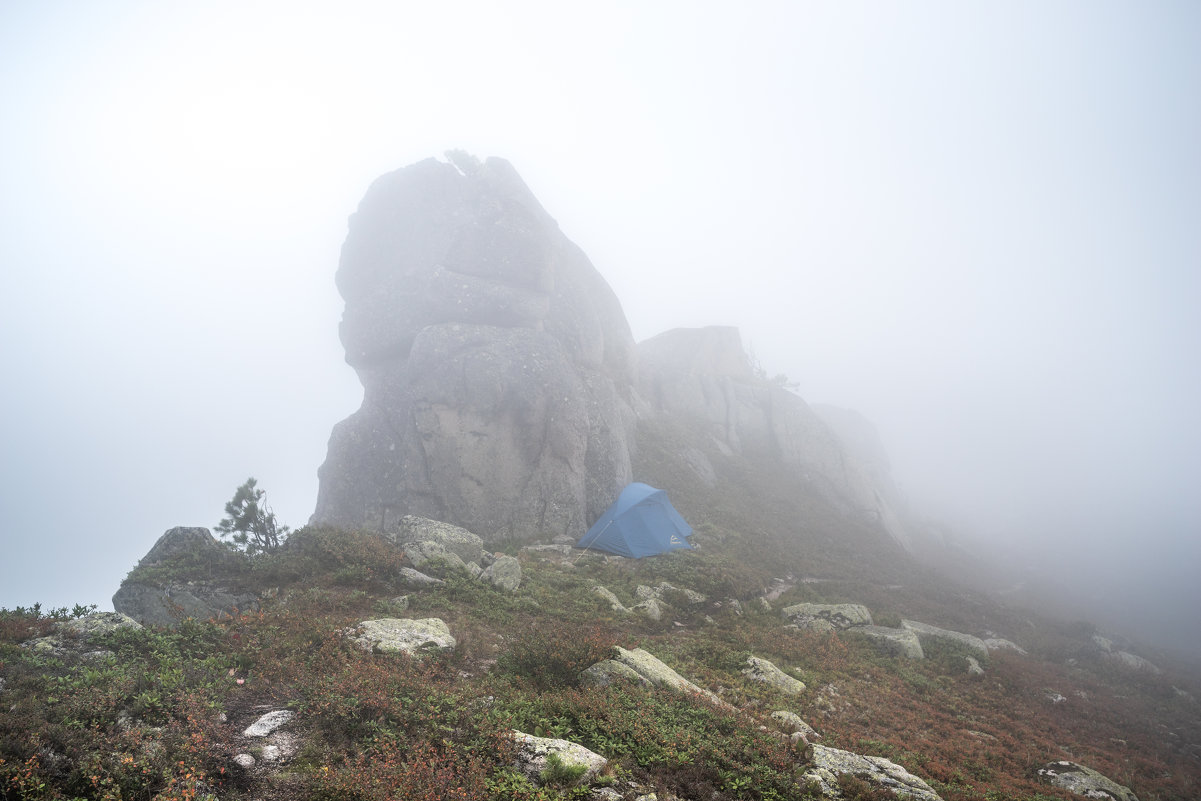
641,522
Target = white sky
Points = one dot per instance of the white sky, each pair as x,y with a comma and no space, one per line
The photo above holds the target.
977,223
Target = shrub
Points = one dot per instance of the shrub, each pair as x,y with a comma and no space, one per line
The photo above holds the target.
558,772
553,653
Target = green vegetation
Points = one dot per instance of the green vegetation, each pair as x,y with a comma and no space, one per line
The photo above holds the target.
158,713
250,525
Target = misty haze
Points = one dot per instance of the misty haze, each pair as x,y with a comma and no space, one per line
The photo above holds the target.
663,375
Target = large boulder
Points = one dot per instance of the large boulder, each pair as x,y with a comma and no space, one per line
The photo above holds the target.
415,534
187,573
704,377
497,365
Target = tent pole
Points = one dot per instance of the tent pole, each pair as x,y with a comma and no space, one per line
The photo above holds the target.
589,545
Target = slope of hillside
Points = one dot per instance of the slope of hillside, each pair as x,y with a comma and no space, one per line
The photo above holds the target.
163,712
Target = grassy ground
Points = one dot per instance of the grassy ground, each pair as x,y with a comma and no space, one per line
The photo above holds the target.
159,717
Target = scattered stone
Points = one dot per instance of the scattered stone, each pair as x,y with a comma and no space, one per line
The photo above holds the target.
762,670
244,760
838,616
973,667
270,753
394,635
1182,694
1084,781
898,642
415,577
1103,643
533,751
504,573
735,606
828,763
765,604
1054,696
925,631
792,722
268,723
400,603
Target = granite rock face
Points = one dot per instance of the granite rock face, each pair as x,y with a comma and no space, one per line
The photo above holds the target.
704,376
497,365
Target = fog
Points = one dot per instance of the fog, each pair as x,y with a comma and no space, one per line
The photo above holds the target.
977,224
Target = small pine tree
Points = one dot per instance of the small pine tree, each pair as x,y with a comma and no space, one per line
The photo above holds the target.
250,525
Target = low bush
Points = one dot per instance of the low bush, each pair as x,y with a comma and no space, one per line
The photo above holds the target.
551,653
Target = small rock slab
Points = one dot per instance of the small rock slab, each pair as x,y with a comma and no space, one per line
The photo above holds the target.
827,763
762,670
416,578
644,667
836,616
1001,644
268,723
899,642
394,635
926,631
1084,781
532,753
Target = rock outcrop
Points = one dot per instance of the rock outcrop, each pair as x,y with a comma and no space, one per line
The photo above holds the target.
77,635
390,635
925,632
642,667
897,642
827,617
877,772
760,669
161,590
497,365
1084,781
704,377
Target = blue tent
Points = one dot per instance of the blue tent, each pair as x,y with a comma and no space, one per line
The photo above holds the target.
641,522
